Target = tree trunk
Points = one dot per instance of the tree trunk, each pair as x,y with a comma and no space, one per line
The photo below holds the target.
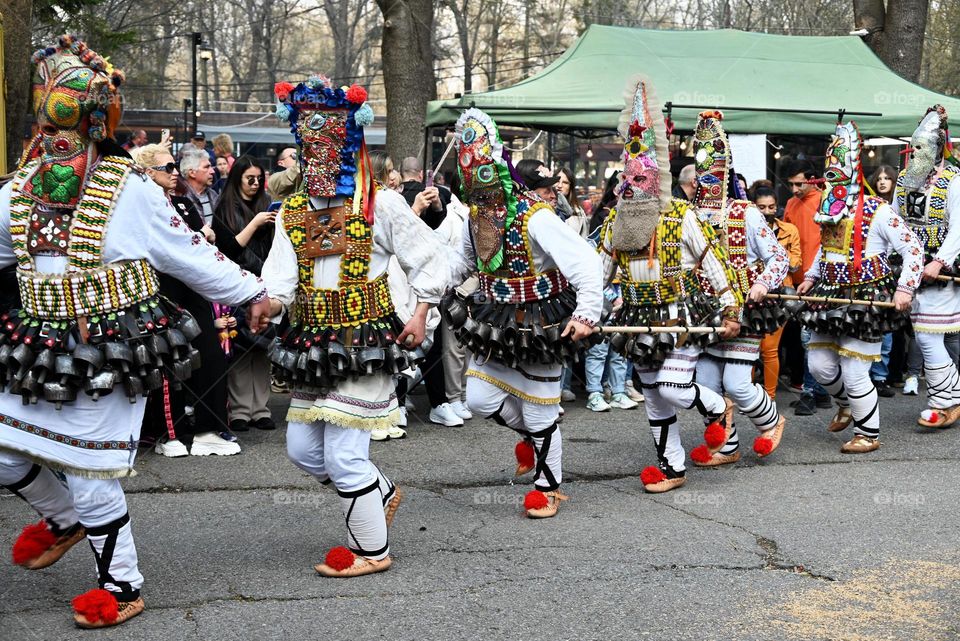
408,75
17,21
900,43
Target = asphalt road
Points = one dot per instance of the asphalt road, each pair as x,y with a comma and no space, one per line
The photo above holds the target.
810,544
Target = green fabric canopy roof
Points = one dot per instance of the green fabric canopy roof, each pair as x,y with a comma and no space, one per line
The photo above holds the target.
583,89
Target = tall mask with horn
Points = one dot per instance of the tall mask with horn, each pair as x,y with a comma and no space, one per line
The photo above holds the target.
486,185
77,103
842,175
713,161
926,149
327,122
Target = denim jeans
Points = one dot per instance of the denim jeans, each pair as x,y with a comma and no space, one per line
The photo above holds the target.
810,384
880,369
600,361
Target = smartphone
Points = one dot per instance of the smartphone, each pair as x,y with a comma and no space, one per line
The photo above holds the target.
164,134
429,181
275,205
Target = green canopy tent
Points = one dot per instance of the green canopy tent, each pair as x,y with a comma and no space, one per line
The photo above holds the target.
764,83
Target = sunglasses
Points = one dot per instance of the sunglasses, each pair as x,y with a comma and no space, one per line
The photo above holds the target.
168,168
254,180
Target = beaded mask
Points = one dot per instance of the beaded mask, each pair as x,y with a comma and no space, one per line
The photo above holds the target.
843,176
486,185
76,102
644,188
327,122
926,149
712,158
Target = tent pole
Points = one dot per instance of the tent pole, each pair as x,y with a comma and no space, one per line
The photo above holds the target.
573,155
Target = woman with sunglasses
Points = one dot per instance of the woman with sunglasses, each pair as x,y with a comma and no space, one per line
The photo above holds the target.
206,391
244,230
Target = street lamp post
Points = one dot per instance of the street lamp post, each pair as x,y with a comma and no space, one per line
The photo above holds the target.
206,53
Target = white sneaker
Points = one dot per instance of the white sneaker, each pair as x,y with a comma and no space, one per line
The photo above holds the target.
607,393
403,417
379,435
623,402
567,395
560,407
171,449
596,403
911,386
632,392
210,443
443,414
460,409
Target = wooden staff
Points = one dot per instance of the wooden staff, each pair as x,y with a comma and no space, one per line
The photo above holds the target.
836,301
646,329
949,279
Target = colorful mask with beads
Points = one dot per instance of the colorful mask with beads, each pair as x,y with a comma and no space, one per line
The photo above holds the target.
713,160
327,122
77,102
926,149
644,188
486,185
843,176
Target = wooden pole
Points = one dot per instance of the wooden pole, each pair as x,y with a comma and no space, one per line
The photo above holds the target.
679,329
836,301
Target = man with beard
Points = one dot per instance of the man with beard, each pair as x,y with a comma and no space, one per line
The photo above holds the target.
928,198
662,250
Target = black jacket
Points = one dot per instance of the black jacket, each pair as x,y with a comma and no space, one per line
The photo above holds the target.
431,216
251,257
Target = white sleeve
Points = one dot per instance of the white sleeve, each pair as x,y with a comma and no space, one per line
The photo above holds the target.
576,259
767,248
7,257
814,272
710,266
900,238
280,272
418,249
951,244
463,259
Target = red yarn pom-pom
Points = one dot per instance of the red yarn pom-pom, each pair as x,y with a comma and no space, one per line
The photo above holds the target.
652,475
535,500
934,417
96,605
339,558
700,454
32,542
356,94
282,90
763,446
525,454
715,435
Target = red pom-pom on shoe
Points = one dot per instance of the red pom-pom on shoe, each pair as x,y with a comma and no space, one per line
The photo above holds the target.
700,454
763,446
535,500
934,417
652,475
715,435
356,94
35,539
339,558
96,605
525,454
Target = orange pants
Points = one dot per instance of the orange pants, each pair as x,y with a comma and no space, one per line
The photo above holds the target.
770,357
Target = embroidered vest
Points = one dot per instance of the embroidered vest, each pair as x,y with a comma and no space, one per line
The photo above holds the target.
838,239
356,299
88,287
517,281
932,228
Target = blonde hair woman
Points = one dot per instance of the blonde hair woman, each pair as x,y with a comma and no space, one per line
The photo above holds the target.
223,148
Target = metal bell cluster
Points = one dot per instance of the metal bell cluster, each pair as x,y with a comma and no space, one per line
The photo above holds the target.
319,359
131,349
863,322
514,334
765,317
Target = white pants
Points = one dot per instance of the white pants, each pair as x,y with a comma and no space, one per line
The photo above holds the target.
735,378
848,380
97,504
665,390
341,455
534,421
943,380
